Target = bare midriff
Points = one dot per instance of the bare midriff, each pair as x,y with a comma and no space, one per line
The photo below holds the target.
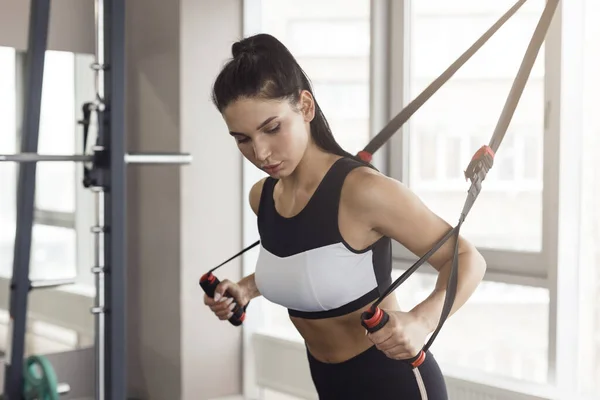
337,339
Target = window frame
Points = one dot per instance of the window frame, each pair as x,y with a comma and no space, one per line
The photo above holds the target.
66,306
555,267
81,220
532,267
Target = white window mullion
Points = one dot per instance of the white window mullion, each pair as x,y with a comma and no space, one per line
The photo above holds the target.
562,190
380,87
256,316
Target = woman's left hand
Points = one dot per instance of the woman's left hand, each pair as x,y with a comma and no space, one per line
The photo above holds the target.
402,337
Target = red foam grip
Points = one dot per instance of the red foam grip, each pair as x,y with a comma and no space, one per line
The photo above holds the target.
375,319
207,277
365,156
420,359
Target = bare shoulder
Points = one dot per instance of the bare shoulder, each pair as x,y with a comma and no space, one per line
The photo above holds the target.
367,189
387,206
255,193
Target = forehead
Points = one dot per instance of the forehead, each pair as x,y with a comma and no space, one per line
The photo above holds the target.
246,114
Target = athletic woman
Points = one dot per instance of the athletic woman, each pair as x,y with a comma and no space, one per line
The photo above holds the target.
326,220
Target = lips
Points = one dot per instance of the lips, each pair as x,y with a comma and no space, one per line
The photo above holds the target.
271,167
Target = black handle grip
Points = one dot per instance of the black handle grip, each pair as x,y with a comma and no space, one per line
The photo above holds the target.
209,282
375,319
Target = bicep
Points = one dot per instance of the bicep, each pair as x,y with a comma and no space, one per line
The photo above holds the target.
397,212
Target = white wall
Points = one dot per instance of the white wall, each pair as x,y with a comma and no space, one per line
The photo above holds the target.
183,220
153,291
211,199
71,25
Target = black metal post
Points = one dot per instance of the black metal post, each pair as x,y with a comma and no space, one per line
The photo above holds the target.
113,123
39,18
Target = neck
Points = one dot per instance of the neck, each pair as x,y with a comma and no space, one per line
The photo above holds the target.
310,171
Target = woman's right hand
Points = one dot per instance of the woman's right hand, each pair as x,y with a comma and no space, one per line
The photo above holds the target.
222,305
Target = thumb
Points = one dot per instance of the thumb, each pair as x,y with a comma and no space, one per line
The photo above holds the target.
225,286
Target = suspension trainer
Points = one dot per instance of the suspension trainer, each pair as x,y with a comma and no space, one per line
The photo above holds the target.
104,161
476,172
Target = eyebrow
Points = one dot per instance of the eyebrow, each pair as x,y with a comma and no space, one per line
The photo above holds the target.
265,122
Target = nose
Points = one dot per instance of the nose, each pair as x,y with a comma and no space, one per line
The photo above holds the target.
261,149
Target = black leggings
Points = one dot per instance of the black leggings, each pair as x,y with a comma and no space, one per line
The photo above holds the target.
372,375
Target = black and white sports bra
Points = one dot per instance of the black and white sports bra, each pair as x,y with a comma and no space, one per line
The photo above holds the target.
305,265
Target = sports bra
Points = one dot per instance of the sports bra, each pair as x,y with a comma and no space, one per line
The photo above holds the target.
305,265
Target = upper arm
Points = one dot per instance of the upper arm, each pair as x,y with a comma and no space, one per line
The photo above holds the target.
254,195
388,207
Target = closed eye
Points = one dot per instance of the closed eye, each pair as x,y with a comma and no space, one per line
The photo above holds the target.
274,129
242,139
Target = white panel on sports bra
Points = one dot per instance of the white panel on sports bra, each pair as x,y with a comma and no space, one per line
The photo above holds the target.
319,279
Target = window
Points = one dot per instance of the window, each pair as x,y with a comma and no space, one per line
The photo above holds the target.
54,244
58,249
331,42
501,330
344,38
444,134
56,181
589,296
8,171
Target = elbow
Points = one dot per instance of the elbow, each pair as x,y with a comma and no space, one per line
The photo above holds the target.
473,261
478,264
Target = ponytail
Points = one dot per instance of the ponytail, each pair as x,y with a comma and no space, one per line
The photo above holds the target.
262,67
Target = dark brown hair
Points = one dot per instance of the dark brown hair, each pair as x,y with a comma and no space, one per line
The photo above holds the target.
262,67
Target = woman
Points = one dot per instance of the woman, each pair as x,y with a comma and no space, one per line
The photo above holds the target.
326,220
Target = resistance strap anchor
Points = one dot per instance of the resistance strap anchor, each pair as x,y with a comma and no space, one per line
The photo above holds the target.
481,162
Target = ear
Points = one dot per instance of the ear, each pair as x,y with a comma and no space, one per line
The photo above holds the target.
307,105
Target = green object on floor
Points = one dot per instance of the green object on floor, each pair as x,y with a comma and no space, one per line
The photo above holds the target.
39,379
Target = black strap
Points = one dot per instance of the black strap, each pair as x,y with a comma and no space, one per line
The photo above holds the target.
479,166
86,121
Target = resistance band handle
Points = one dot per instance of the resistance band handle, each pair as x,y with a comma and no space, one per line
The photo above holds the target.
375,319
209,283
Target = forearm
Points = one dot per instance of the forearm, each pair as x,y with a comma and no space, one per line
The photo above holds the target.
471,269
248,285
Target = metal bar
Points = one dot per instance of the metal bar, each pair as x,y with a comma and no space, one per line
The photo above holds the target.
54,218
100,303
158,158
39,17
63,388
34,157
51,283
115,243
130,158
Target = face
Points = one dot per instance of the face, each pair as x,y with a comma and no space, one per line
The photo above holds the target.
272,134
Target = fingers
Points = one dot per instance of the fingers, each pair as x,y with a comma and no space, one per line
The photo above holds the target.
227,288
388,343
223,308
381,336
225,299
397,347
393,342
221,288
400,352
